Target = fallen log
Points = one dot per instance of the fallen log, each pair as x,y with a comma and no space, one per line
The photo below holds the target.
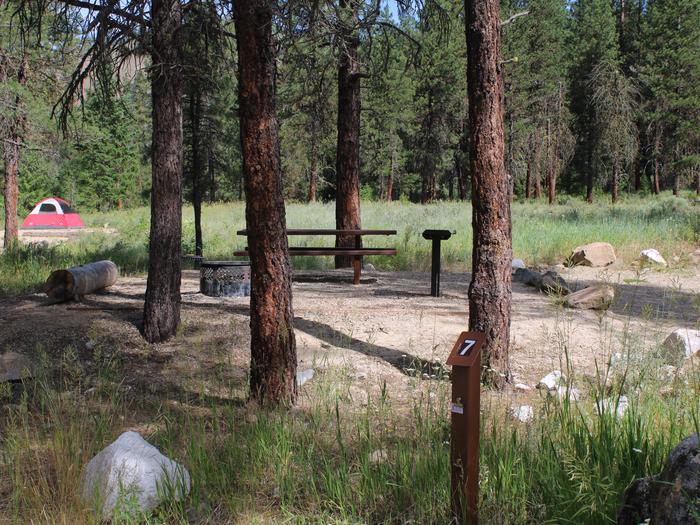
78,281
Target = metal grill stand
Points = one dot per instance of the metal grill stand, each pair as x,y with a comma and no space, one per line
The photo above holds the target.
225,278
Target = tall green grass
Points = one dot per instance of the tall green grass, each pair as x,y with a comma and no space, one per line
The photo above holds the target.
541,234
331,461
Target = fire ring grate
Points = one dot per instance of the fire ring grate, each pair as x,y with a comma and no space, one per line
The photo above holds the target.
225,278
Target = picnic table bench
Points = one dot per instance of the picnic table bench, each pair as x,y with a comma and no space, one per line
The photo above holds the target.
356,252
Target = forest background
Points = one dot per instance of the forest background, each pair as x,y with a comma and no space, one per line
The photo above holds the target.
600,96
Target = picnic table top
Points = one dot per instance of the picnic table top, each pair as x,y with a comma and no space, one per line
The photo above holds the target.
296,231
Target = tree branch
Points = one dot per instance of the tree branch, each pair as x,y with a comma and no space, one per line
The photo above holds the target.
513,18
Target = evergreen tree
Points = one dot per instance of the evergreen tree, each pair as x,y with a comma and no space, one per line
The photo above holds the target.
671,80
594,41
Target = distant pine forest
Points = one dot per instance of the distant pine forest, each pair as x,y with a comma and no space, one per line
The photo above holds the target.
601,99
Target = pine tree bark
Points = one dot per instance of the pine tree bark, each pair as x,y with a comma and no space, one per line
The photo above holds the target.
528,177
313,168
392,172
697,182
12,152
162,306
490,288
615,185
347,164
197,169
273,359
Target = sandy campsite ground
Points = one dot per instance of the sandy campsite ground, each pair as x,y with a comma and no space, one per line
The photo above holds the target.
387,331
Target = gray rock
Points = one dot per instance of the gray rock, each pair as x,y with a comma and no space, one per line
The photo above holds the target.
550,282
652,256
591,298
552,381
669,498
596,254
304,375
131,475
682,343
517,264
677,498
620,406
635,502
15,367
524,413
369,267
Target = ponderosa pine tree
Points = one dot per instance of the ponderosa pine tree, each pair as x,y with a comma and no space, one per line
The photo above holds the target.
594,41
273,359
671,80
490,287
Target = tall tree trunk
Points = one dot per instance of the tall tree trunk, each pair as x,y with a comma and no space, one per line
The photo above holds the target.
273,359
197,168
552,185
637,173
657,164
676,183
615,190
528,177
538,168
392,171
313,170
589,170
347,164
12,151
490,288
162,306
697,182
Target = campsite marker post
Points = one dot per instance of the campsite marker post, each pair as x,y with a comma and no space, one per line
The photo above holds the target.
465,359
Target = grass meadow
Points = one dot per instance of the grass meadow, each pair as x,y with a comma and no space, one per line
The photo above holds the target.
333,460
541,234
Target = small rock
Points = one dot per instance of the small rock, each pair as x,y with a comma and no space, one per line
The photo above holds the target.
304,375
378,456
596,254
591,298
369,267
552,380
666,373
522,387
573,394
549,282
132,472
90,344
652,256
695,257
606,404
15,367
682,343
524,413
516,264
635,507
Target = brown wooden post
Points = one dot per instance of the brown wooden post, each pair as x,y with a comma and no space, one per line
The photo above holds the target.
465,359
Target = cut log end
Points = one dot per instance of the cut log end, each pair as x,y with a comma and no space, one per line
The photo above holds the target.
63,285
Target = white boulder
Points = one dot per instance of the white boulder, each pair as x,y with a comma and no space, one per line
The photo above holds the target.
304,375
132,475
517,263
608,404
572,394
652,256
682,343
524,413
552,380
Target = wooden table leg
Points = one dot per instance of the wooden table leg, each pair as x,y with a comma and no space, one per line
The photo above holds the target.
357,268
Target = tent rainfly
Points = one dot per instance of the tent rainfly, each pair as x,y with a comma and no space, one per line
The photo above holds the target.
53,213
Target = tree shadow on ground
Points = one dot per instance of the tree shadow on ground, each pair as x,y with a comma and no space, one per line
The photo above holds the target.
404,362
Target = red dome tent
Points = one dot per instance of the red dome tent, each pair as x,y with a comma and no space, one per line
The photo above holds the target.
53,213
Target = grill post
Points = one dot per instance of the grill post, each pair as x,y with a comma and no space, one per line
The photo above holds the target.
436,236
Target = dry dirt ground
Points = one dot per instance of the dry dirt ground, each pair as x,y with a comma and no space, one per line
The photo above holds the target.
385,333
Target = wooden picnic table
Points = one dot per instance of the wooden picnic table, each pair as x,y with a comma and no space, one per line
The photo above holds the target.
356,253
